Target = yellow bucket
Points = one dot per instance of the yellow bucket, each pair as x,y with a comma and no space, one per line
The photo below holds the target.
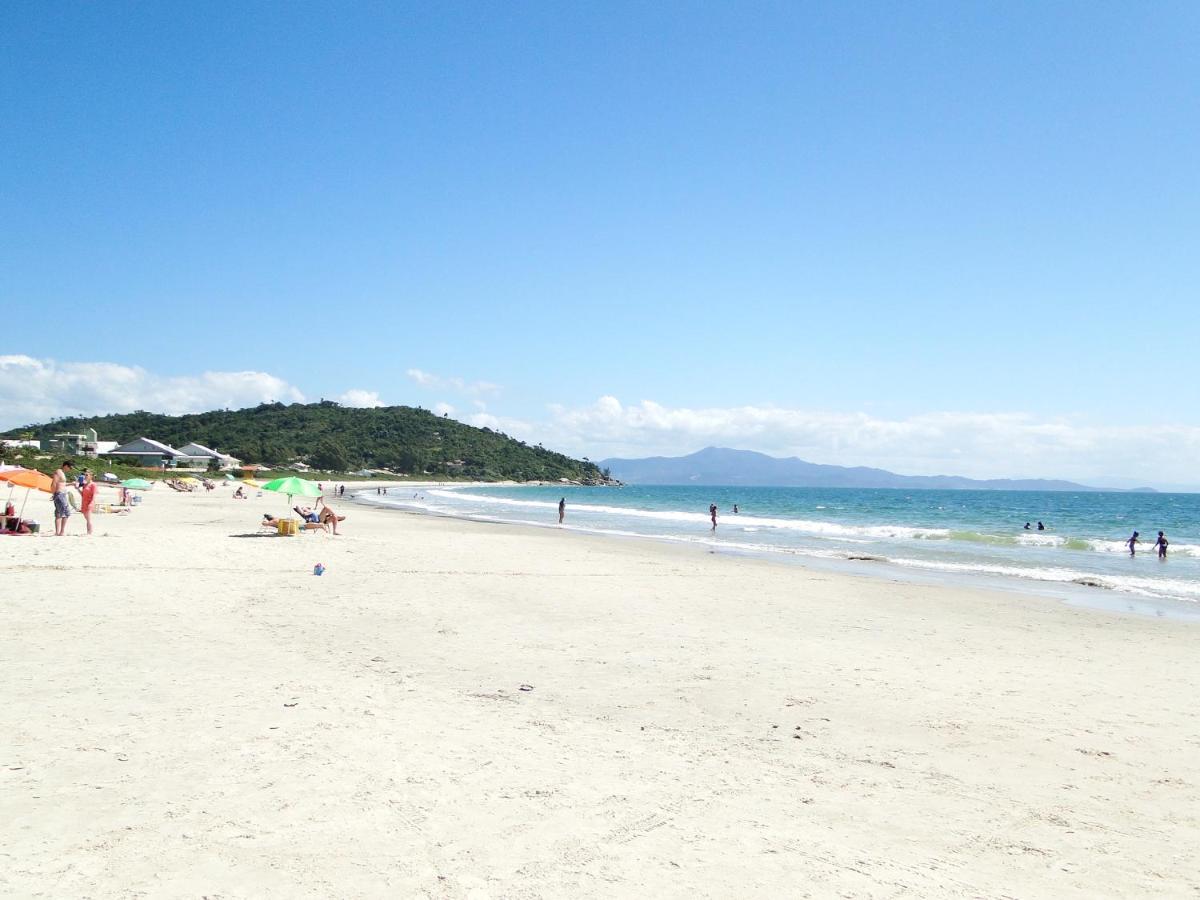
289,526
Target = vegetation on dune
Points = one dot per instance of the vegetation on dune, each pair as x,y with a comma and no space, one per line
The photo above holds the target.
333,438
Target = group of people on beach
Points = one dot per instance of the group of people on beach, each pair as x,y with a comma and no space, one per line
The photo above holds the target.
60,483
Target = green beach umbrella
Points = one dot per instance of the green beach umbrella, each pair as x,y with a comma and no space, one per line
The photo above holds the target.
293,486
136,484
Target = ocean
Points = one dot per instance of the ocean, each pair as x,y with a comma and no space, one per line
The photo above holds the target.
961,536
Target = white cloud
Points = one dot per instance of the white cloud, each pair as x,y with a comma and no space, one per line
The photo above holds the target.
981,445
459,385
424,379
361,399
37,390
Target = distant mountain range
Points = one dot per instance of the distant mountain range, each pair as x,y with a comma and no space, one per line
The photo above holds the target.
722,466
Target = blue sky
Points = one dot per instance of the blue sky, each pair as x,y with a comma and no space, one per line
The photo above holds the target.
772,223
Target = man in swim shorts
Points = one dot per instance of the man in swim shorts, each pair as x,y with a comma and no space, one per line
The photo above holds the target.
58,491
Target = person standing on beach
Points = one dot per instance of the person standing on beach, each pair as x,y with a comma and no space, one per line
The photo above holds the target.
58,492
1132,542
712,511
562,509
87,493
1161,545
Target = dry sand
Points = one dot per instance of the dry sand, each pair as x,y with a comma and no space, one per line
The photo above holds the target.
186,711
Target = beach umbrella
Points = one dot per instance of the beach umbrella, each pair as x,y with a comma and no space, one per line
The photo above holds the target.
30,479
293,486
136,484
27,478
229,477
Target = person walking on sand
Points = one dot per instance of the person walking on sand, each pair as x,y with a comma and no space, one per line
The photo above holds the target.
1161,545
87,493
712,511
562,509
1133,542
58,493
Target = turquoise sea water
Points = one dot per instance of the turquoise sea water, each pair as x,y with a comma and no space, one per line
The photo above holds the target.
965,534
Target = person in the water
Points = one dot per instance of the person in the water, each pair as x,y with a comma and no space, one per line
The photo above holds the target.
1161,545
1041,527
1133,542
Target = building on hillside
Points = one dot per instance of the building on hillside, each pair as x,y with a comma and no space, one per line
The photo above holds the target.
87,443
154,454
224,460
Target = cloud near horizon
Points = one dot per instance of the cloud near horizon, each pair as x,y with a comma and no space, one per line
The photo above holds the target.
38,390
455,384
361,399
977,445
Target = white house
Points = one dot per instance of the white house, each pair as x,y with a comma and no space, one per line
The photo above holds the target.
224,460
154,454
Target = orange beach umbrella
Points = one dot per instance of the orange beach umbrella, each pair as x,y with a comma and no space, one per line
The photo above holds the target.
27,478
30,479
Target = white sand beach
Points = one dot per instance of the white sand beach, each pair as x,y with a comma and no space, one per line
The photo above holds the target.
187,711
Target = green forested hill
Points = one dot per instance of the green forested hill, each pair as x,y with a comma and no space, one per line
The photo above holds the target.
328,436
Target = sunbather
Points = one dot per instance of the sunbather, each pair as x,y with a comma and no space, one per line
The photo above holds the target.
329,518
306,514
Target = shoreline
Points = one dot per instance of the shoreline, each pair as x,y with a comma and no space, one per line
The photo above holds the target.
1094,597
459,710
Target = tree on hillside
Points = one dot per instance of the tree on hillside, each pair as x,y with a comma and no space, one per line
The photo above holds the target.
329,454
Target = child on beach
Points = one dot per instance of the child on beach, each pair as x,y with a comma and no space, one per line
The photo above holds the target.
1161,545
1133,542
